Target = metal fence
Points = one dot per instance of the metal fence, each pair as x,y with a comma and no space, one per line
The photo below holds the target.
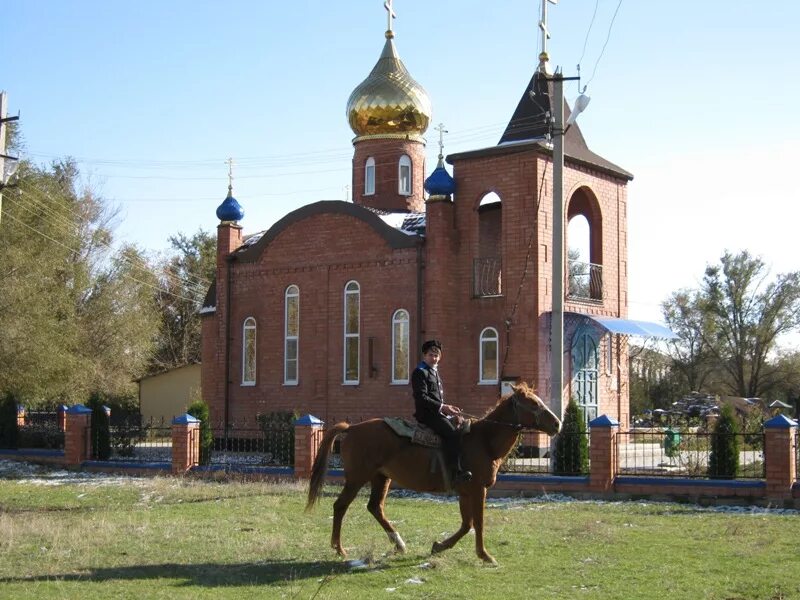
527,458
686,454
41,429
133,439
585,281
487,277
253,443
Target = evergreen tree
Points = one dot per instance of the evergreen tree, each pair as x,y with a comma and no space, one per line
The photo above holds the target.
101,428
9,432
199,410
572,444
723,462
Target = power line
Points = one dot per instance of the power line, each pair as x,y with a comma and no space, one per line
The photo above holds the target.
608,37
73,251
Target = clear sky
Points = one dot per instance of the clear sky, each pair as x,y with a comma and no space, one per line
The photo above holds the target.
697,99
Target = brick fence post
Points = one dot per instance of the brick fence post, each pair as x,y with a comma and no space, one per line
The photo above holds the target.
603,453
779,456
77,437
185,443
307,436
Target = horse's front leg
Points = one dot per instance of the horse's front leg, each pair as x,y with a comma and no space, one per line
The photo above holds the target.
380,487
478,505
465,506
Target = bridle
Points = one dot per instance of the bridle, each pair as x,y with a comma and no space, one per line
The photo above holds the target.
518,407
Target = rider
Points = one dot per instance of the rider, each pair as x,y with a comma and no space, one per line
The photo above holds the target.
431,410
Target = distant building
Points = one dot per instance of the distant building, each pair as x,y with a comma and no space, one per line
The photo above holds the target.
168,394
325,311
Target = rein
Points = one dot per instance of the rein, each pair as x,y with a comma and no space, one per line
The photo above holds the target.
517,406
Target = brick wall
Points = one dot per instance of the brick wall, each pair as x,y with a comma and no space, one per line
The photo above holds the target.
386,153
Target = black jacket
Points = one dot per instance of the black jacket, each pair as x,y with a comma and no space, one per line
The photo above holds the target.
428,393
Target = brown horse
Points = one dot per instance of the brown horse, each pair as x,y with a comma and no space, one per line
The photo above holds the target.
372,453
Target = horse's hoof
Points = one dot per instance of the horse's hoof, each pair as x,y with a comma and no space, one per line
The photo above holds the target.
489,560
437,547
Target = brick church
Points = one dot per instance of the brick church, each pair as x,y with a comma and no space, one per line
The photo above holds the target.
325,311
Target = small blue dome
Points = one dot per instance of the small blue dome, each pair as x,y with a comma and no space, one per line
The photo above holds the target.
440,183
230,209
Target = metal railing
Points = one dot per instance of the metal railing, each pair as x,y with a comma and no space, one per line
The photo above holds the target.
253,443
584,281
487,277
522,459
41,429
134,439
686,454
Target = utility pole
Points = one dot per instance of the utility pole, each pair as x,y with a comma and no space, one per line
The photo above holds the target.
3,156
557,313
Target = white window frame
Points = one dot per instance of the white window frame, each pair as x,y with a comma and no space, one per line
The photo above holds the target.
369,177
488,335
405,161
248,329
400,317
292,293
351,288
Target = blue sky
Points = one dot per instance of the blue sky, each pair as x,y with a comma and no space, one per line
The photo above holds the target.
697,100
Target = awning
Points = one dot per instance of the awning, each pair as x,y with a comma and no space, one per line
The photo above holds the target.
629,326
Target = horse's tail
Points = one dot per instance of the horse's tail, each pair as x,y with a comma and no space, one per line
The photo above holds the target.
321,463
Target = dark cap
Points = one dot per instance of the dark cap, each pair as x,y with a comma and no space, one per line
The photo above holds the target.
430,345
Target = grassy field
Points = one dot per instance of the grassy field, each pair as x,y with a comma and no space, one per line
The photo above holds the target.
174,538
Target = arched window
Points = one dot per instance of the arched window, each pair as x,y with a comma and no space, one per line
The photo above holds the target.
404,176
400,346
291,335
369,177
487,276
352,318
249,351
488,356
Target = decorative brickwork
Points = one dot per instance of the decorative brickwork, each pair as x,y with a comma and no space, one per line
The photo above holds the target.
77,437
307,437
185,443
603,454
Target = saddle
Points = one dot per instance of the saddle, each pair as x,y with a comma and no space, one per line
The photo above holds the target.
420,434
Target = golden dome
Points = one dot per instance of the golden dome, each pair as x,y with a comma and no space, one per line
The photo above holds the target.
389,101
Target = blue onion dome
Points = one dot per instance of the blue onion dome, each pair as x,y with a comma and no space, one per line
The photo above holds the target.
440,183
230,210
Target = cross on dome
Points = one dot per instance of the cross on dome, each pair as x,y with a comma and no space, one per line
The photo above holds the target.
543,56
229,162
440,128
390,14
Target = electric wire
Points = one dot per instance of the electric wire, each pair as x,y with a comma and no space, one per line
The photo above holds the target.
608,37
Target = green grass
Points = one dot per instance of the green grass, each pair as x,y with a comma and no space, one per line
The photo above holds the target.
176,538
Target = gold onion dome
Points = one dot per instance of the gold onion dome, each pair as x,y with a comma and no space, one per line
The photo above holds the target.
389,102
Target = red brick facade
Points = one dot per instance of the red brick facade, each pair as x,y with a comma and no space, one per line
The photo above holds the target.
476,269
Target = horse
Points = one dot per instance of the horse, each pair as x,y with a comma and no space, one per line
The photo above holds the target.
373,453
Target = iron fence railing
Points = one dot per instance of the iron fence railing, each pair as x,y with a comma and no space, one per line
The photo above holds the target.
133,439
41,429
254,443
687,454
585,281
487,277
527,457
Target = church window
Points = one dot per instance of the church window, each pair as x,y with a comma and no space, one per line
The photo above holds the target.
369,177
400,346
291,335
488,356
404,176
249,352
352,318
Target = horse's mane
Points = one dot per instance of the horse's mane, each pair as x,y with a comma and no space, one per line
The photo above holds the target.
519,388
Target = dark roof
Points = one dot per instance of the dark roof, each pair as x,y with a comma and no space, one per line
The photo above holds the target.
394,237
528,126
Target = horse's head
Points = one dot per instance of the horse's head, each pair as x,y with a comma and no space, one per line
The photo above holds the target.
531,412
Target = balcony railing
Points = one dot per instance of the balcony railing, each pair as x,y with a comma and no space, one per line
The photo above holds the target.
487,277
585,281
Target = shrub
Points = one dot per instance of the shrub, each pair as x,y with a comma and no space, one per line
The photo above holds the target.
278,430
101,427
572,445
8,421
723,462
199,410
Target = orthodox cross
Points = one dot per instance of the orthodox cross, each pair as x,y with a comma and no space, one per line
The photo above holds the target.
543,28
389,14
229,162
440,128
